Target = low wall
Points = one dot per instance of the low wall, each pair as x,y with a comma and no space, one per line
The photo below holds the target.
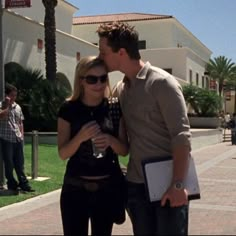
43,137
204,122
200,137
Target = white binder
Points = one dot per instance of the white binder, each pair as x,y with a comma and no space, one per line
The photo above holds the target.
158,176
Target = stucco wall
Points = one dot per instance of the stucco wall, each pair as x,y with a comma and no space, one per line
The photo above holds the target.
20,37
63,13
161,33
182,37
181,60
174,58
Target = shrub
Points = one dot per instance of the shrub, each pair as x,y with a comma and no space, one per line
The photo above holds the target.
39,98
204,102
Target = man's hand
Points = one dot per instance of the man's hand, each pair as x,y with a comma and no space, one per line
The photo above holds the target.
176,197
4,113
6,103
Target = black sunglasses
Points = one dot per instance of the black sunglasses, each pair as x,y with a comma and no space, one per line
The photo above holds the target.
93,79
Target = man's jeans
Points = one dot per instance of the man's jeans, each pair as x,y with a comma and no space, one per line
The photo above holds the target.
2,172
13,157
152,219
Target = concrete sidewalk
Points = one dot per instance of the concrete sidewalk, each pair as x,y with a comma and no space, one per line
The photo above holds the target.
213,214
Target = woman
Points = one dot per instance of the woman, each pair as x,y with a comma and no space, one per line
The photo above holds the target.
89,184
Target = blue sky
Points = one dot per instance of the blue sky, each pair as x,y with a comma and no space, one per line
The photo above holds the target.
213,22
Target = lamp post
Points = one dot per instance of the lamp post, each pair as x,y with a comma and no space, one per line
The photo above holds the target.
2,82
2,93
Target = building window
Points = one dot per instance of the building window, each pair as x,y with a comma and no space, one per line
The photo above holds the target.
190,77
197,79
78,56
142,44
207,83
179,45
40,44
203,82
169,70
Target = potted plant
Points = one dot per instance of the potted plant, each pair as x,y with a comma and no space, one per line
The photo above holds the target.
204,106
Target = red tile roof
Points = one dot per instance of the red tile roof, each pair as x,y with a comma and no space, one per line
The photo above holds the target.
116,17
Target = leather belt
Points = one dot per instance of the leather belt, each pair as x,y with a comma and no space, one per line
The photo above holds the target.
87,184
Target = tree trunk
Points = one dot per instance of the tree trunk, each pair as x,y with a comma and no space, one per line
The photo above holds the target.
50,39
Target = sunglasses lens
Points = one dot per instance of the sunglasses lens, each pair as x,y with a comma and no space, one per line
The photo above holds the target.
92,79
103,78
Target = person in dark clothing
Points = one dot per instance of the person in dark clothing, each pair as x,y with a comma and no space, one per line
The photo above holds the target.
232,125
84,121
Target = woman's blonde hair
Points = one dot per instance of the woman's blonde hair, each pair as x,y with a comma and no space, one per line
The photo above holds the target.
84,65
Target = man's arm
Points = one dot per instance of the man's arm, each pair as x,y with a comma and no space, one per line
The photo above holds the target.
177,193
3,113
21,126
4,108
180,163
176,120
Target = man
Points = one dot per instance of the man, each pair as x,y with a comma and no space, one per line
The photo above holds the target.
157,124
11,141
232,126
227,120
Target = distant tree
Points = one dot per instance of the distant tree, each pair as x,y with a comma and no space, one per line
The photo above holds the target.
204,102
39,98
221,70
50,39
231,85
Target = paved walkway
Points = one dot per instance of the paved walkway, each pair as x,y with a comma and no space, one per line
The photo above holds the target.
213,214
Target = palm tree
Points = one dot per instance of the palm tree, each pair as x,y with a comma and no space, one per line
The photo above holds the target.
221,70
50,39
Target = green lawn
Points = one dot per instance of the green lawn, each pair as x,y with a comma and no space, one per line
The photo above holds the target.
49,165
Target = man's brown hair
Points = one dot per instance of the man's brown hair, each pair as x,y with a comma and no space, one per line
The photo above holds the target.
121,35
9,88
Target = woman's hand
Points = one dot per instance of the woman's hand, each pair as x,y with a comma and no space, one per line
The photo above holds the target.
102,141
67,146
88,131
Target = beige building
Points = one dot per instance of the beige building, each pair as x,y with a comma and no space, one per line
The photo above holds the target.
164,41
